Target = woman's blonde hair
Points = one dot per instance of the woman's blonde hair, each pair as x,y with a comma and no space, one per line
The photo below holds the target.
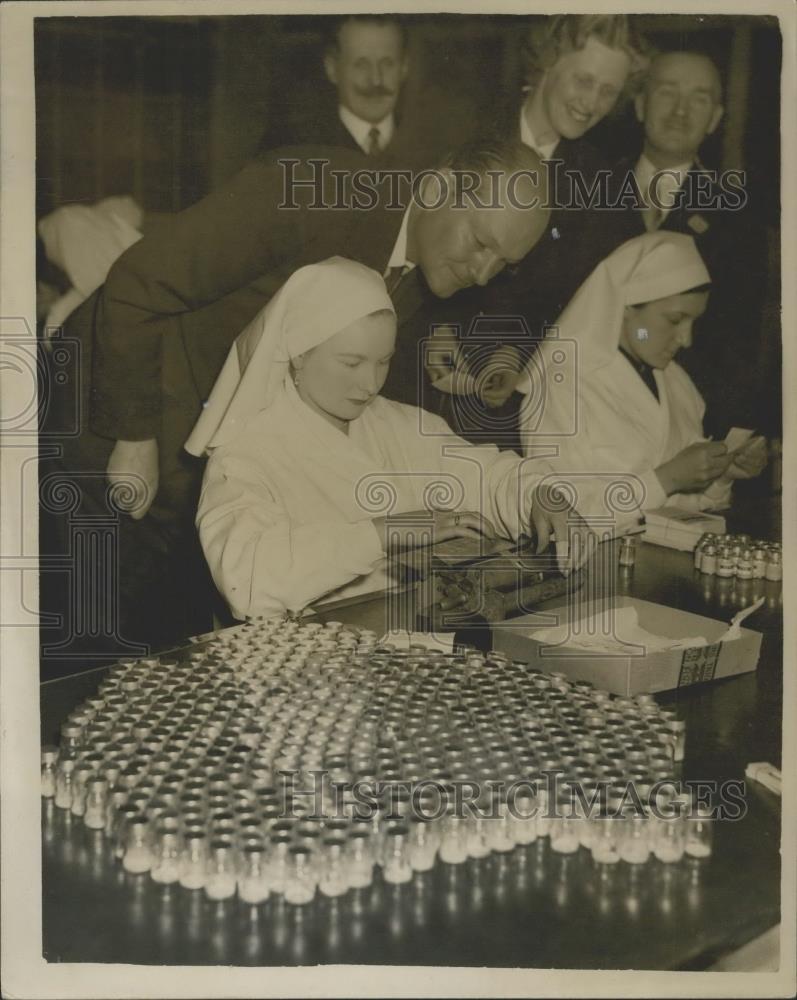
559,34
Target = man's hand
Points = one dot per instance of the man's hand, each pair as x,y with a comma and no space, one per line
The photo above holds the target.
500,376
748,461
133,468
553,515
694,468
443,354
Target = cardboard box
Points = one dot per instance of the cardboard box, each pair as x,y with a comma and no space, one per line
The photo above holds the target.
638,672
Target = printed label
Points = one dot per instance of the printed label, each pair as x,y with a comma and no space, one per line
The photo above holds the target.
699,664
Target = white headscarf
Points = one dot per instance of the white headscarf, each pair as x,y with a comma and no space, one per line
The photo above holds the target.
648,267
314,304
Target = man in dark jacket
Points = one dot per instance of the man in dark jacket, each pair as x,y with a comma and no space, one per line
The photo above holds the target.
668,187
154,337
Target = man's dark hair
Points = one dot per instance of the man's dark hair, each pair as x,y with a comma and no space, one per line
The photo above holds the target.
696,53
334,25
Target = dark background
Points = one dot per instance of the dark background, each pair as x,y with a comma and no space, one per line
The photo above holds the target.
166,108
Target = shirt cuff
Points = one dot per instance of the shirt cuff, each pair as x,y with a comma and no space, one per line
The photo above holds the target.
654,495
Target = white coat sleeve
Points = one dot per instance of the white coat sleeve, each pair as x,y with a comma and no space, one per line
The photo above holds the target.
496,484
604,481
718,494
262,562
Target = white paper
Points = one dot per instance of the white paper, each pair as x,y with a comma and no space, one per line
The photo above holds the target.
626,632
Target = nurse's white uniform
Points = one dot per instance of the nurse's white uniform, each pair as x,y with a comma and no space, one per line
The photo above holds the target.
606,432
285,512
285,515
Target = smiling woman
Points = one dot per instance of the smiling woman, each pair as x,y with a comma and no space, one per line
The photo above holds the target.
576,68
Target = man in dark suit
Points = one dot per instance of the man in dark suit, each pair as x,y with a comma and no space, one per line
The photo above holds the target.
576,68
668,187
155,336
365,59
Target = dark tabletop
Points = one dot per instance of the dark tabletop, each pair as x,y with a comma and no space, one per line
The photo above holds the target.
528,908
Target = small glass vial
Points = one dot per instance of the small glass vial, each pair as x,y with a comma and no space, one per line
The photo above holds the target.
677,730
300,884
278,861
95,815
396,855
64,782
627,551
193,860
605,838
668,835
424,842
252,875
138,851
81,775
454,839
166,860
744,564
726,562
49,761
333,881
221,875
705,539
759,562
71,739
699,832
774,566
565,829
634,841
708,559
524,818
359,859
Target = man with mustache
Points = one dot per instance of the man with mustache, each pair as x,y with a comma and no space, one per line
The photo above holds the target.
366,61
679,107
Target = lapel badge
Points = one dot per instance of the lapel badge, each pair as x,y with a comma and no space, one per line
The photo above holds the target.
698,224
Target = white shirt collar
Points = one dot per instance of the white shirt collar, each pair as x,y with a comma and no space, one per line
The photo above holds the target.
399,256
526,137
669,181
359,128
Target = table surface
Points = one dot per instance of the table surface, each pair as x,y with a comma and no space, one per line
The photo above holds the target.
530,908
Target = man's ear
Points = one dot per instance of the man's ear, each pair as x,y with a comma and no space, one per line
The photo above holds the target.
405,68
715,119
331,68
435,185
639,108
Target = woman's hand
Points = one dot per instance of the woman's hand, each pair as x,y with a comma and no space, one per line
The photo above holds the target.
553,516
422,527
694,468
133,467
748,461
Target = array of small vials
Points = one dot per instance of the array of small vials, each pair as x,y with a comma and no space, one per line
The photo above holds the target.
739,556
294,758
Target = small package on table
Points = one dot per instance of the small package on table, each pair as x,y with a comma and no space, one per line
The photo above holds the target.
629,647
680,529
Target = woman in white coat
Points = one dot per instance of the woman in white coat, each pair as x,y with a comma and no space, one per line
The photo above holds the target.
608,407
314,479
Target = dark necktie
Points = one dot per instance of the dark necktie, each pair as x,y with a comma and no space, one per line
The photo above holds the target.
645,372
373,141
